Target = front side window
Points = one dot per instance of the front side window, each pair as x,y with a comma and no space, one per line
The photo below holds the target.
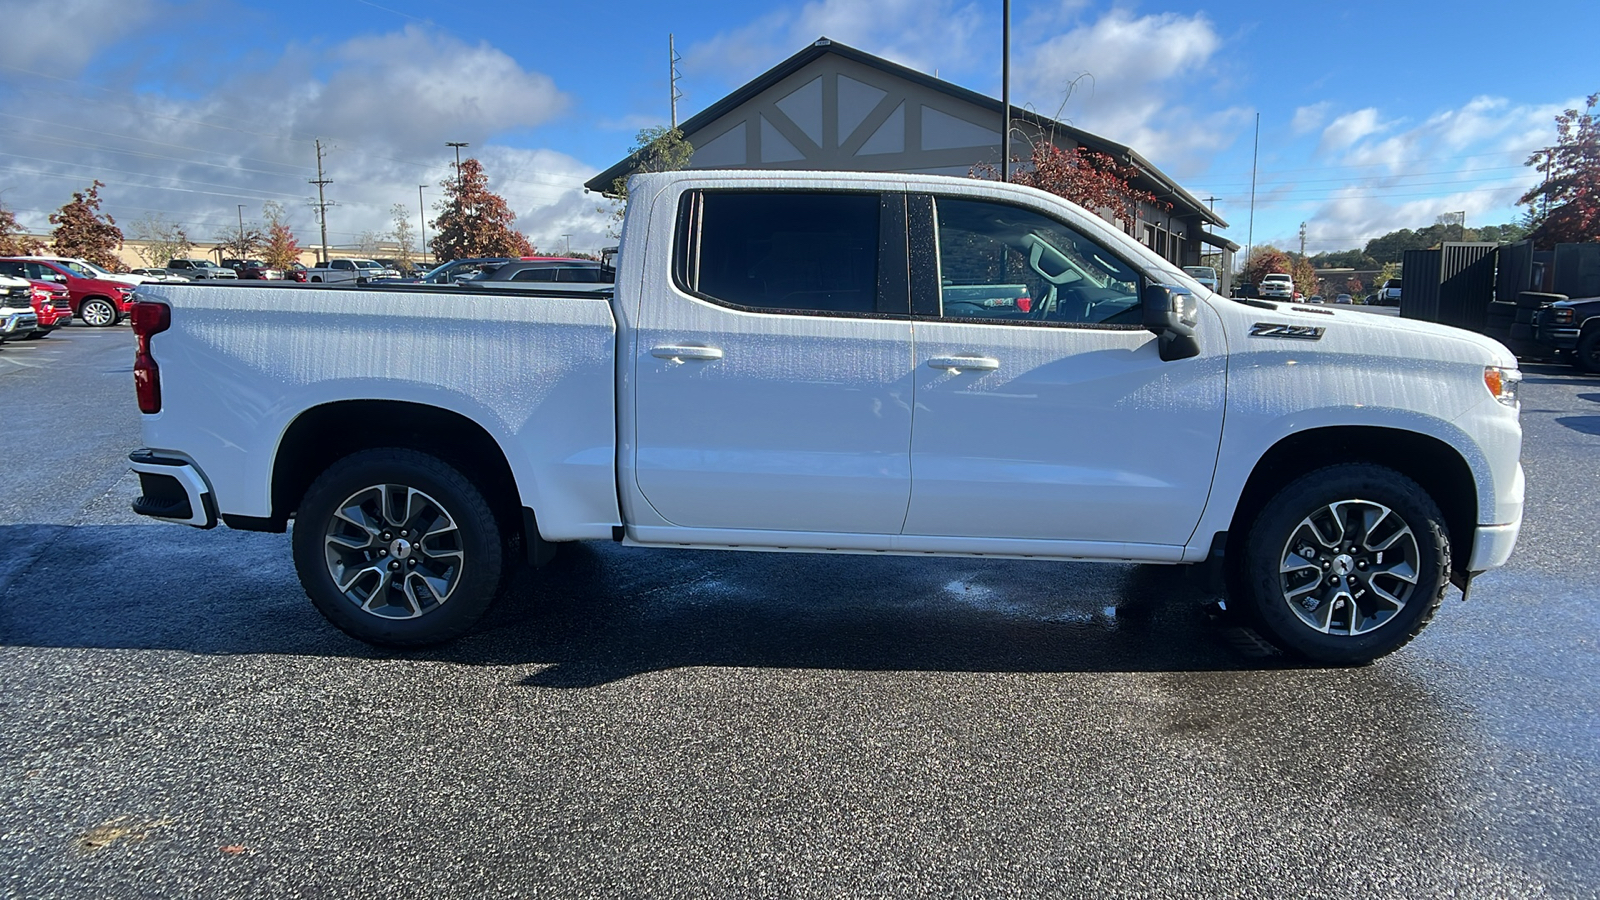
806,252
1007,264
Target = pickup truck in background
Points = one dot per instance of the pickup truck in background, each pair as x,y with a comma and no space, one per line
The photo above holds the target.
200,270
353,271
1571,327
1277,287
834,362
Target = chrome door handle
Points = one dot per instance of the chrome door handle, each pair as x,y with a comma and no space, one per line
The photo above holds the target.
683,353
977,363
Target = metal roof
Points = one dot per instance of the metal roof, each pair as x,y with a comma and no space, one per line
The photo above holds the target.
1165,188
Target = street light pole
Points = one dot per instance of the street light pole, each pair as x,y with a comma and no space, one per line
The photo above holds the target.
568,239
1005,94
422,214
458,145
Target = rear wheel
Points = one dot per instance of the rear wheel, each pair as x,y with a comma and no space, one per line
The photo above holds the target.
97,312
1346,564
397,548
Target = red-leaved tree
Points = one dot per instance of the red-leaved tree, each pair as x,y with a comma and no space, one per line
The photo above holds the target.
12,241
473,220
1566,205
84,232
1094,181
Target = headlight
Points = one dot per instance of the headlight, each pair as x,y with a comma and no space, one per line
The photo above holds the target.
1561,315
1502,383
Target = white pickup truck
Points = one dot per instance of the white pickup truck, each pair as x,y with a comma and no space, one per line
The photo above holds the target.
839,363
353,271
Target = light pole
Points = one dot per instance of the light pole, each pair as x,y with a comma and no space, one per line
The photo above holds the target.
241,229
422,213
1005,93
568,239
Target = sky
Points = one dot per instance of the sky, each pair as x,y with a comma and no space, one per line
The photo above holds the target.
1373,116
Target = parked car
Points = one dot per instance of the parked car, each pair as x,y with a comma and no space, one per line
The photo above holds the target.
1389,294
350,271
1277,286
52,304
200,270
457,269
17,318
1571,327
1206,275
1314,298
253,270
95,301
1344,299
295,272
563,274
86,269
148,275
752,385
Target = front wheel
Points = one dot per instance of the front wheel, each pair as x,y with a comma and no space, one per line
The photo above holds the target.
1345,564
98,313
397,548
1587,354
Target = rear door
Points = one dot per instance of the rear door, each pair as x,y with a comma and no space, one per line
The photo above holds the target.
773,371
1043,410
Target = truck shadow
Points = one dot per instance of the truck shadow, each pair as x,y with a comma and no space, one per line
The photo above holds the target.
603,612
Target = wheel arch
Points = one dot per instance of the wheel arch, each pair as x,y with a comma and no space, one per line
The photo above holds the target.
323,434
1432,463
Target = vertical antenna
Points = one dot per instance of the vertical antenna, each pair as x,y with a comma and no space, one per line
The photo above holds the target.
322,202
1005,93
672,78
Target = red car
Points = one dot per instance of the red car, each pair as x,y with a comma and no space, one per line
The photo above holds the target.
95,301
52,303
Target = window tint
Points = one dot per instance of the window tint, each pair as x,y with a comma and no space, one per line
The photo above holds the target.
794,251
1004,263
542,274
585,275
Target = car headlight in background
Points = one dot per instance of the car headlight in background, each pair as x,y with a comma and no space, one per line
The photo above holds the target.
1502,383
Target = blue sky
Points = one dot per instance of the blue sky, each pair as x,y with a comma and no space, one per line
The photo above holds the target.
1373,116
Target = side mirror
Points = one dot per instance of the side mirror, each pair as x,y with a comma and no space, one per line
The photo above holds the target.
1171,313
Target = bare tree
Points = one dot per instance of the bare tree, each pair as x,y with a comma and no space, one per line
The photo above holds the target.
162,239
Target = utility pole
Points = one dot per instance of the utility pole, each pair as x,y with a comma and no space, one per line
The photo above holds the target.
422,214
458,145
568,239
241,228
1255,157
1461,233
1302,240
1005,92
672,78
322,202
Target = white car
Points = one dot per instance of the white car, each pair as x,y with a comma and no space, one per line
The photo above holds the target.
85,269
1276,286
782,367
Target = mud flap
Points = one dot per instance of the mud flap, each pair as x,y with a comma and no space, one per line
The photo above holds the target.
1463,580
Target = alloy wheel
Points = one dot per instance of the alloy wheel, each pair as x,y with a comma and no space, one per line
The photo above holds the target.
394,551
1349,567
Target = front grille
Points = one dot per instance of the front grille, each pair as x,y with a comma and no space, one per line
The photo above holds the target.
62,304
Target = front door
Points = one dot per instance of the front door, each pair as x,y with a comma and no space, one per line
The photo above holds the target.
1043,409
773,371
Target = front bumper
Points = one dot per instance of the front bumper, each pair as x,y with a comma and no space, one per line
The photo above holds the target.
1492,546
1563,337
172,490
18,323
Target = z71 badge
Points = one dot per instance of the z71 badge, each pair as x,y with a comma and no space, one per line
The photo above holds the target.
1298,332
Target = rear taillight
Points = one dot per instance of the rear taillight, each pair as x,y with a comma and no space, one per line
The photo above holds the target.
148,319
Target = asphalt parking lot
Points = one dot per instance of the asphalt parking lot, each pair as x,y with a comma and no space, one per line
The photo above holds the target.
179,721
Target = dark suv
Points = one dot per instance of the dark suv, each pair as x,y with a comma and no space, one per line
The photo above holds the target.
557,274
1573,328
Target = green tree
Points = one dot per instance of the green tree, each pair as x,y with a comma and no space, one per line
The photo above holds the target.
82,231
280,249
1566,204
12,241
658,149
473,220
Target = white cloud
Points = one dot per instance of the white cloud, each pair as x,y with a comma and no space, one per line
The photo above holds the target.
1123,73
1350,128
248,139
60,37
920,34
1309,118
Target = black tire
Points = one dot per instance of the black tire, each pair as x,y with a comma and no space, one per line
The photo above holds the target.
98,312
460,552
1587,355
1352,491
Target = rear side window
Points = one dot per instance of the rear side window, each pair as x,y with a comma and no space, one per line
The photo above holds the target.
584,275
544,274
805,252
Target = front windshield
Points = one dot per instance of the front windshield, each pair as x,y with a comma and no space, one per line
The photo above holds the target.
367,264
98,271
205,264
79,269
